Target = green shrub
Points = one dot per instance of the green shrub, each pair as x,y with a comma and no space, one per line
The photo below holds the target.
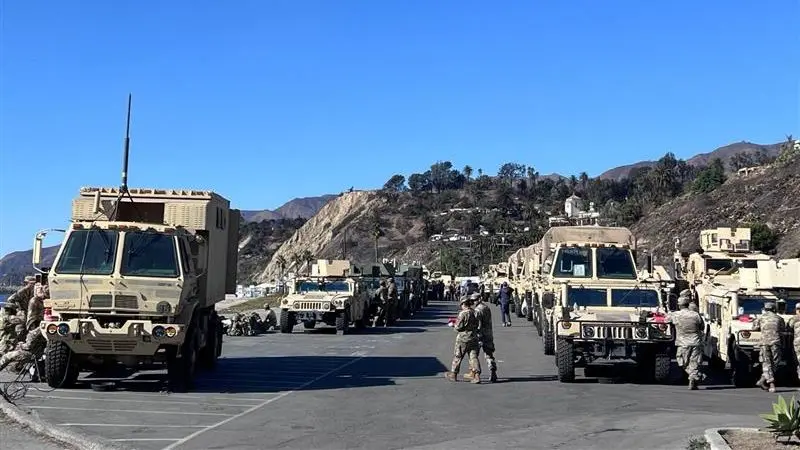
785,418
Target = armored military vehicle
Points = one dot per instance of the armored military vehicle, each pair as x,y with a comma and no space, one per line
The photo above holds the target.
136,280
595,305
331,295
731,282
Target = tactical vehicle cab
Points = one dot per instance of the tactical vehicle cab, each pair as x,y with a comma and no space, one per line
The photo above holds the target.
330,295
731,282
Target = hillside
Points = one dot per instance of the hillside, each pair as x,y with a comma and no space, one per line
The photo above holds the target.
15,266
302,208
733,156
770,196
258,241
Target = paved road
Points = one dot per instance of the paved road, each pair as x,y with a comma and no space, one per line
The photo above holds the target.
17,437
384,388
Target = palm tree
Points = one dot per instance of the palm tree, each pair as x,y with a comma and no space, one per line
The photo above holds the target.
584,180
280,260
297,261
467,172
308,258
480,173
377,233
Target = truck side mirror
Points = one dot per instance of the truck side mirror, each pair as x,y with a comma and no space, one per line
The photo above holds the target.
650,264
37,250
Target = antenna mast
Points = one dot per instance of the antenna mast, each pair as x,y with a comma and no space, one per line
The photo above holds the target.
124,186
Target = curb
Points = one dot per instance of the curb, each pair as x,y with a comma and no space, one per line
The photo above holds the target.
715,439
62,435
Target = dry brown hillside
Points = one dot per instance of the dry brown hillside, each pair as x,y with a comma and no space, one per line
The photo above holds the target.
770,196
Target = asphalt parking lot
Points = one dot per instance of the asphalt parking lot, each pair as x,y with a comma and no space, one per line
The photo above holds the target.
384,388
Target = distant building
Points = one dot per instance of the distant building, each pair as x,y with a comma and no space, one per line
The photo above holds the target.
575,215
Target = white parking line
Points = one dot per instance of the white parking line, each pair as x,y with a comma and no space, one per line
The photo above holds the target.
259,406
164,395
134,410
127,425
126,400
142,439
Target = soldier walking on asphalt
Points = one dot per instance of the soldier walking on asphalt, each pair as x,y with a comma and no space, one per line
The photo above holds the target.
771,326
485,335
689,331
467,343
794,324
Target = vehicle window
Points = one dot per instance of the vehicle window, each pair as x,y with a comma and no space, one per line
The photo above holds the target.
184,256
615,263
318,286
573,262
718,265
586,297
750,264
91,252
751,305
149,254
634,297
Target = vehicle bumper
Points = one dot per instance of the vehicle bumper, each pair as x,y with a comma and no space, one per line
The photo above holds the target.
134,337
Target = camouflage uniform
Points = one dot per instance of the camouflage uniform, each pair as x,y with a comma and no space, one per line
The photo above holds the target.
771,326
485,334
466,343
13,316
382,298
271,320
689,330
33,346
794,324
391,297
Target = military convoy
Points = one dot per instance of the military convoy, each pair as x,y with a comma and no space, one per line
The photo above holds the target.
731,283
136,280
331,295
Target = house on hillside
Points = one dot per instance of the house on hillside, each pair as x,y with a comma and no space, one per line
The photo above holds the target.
575,215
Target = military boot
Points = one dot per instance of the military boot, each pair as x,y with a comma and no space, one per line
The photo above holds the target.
762,383
476,378
772,387
469,375
692,385
493,376
451,376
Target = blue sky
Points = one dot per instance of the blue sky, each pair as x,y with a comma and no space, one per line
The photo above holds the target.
266,100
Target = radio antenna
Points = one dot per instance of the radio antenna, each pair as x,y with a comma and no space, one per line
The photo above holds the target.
124,186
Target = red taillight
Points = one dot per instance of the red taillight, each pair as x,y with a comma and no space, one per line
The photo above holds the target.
744,318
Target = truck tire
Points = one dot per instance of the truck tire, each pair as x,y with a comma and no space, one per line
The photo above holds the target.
538,320
309,324
529,314
60,365
549,340
207,358
741,371
286,321
566,361
180,371
343,322
661,366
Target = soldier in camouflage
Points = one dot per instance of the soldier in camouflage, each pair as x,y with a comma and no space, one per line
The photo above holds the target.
689,331
771,326
13,316
271,319
33,347
381,297
485,334
392,300
467,343
794,325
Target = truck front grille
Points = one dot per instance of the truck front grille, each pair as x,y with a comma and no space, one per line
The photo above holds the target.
103,345
100,301
126,302
308,305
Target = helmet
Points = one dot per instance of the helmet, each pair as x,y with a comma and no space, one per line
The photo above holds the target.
686,293
466,301
475,297
769,306
30,279
683,301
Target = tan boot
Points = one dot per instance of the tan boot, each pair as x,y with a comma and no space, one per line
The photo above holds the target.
692,385
476,378
469,375
451,376
762,383
772,387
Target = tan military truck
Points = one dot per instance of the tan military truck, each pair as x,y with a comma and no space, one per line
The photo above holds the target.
331,295
731,283
595,304
136,280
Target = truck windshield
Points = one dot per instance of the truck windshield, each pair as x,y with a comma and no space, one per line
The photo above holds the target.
327,286
90,252
573,262
149,254
755,305
586,297
615,263
719,265
647,298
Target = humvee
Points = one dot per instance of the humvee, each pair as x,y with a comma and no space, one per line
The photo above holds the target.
331,295
731,283
135,282
595,305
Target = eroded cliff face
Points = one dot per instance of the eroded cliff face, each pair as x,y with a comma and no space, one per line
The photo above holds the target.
323,234
770,195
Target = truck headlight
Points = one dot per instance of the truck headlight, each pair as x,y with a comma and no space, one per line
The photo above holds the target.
588,331
52,328
158,331
566,325
171,332
63,329
744,334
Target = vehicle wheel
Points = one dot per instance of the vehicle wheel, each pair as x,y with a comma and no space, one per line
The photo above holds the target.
566,361
529,316
342,322
60,365
180,371
661,366
309,324
549,340
538,320
207,357
286,321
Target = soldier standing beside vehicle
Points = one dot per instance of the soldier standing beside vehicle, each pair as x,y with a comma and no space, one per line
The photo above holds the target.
689,330
504,296
466,343
485,335
13,316
391,305
794,325
771,326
